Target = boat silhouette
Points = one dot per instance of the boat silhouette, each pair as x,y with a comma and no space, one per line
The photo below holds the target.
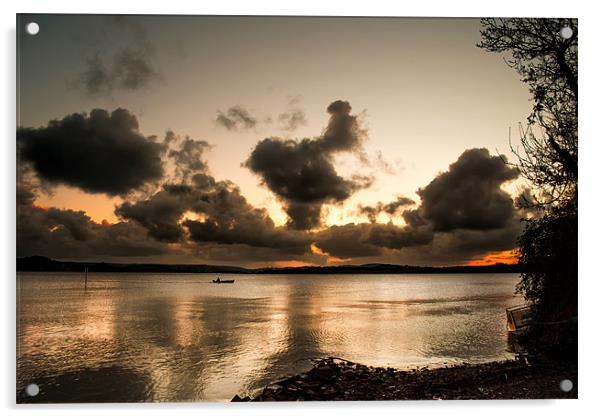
218,280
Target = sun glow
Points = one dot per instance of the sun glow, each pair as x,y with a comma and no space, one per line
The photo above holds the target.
506,257
192,216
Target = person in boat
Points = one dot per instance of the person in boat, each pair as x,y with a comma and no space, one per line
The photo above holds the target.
218,280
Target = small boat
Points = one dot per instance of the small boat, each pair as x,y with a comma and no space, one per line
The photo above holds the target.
218,280
519,317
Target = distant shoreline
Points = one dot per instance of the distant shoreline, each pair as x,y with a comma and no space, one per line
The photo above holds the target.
44,264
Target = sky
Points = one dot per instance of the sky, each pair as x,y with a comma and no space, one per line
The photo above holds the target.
265,141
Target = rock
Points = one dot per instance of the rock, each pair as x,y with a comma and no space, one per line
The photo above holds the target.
330,380
236,398
322,373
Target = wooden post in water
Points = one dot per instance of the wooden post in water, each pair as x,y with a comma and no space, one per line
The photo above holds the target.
86,279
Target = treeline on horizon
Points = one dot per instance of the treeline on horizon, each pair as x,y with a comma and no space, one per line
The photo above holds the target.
39,264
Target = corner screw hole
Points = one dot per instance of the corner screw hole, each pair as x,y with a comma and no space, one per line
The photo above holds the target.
566,385
32,389
566,32
32,28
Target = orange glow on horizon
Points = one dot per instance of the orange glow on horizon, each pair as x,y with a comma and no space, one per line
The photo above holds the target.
506,257
292,263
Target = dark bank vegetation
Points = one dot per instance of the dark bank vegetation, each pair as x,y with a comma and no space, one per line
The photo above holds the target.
547,159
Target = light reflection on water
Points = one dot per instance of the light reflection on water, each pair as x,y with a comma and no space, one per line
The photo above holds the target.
178,337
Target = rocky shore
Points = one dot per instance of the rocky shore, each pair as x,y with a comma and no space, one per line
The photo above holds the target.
334,379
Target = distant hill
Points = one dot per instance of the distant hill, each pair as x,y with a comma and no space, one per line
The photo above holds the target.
38,263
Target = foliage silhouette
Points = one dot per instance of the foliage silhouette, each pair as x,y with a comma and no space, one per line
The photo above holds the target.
547,62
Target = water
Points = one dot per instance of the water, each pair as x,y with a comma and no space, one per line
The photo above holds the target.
177,337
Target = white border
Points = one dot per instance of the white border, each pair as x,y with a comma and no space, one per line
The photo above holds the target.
589,239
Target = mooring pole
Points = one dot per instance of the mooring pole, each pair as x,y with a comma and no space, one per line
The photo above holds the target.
86,279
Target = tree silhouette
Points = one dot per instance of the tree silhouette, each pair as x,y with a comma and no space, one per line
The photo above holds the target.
547,62
547,158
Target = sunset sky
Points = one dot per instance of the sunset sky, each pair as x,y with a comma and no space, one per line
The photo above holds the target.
265,141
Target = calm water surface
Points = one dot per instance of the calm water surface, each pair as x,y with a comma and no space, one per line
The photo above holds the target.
178,337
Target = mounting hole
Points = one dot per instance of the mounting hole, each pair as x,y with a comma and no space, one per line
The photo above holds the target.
32,389
32,28
566,32
566,385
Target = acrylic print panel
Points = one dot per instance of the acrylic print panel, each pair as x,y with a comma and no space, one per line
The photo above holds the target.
216,208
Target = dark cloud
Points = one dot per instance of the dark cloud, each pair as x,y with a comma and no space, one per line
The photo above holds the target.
170,137
132,69
294,117
390,208
189,157
347,241
236,118
161,213
468,196
100,153
230,219
397,237
343,132
200,209
303,216
128,68
97,78
302,173
195,213
369,239
299,171
73,235
463,214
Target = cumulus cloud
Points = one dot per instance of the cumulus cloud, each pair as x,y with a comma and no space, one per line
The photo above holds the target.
192,214
200,209
98,153
301,172
370,239
72,234
390,208
468,195
230,219
189,157
463,213
235,118
69,234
